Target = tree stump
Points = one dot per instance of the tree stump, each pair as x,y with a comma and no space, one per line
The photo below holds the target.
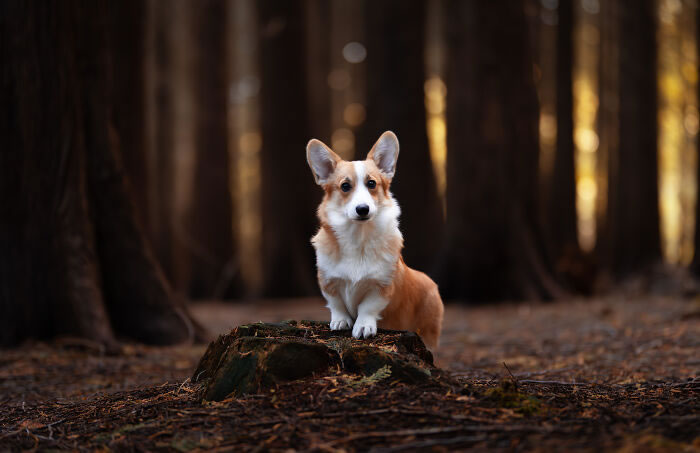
255,357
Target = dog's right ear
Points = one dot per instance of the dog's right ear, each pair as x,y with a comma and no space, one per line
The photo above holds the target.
321,160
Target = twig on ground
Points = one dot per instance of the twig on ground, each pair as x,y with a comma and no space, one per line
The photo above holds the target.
515,381
535,381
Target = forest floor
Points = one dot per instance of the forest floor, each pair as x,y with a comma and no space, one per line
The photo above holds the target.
619,374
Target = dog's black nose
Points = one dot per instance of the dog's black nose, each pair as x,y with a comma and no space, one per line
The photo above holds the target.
362,210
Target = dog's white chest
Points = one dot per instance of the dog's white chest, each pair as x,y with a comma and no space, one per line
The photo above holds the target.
357,267
363,264
355,276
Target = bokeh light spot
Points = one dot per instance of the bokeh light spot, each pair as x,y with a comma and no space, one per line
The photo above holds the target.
591,6
250,142
343,142
354,52
586,140
339,79
550,4
354,114
548,129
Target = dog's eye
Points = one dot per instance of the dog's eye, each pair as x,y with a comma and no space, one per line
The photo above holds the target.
345,187
371,184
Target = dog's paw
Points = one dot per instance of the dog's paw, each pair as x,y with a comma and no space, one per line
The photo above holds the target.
365,328
341,323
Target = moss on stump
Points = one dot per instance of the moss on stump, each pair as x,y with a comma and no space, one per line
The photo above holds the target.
255,357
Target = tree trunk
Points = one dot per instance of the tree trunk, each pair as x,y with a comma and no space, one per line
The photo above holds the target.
607,124
633,207
160,109
396,101
695,264
560,220
126,40
494,248
289,195
73,260
212,260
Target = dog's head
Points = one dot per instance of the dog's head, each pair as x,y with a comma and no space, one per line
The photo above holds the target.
357,190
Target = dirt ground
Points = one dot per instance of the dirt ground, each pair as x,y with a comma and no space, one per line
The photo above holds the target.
618,374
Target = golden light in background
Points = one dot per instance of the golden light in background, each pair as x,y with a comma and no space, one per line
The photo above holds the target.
435,92
354,114
339,79
548,129
586,141
245,141
247,196
343,143
348,75
678,127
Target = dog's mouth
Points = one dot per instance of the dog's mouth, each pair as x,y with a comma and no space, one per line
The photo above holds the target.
362,219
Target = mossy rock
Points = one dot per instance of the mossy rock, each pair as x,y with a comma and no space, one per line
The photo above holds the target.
255,357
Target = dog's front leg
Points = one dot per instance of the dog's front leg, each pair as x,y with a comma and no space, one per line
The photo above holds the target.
368,313
340,319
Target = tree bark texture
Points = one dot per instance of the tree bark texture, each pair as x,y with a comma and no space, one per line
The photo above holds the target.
494,247
561,220
289,195
73,260
213,263
127,26
632,226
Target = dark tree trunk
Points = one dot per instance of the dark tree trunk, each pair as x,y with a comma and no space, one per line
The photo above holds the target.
607,124
289,195
73,260
396,101
48,264
212,261
160,140
494,248
126,40
563,193
561,209
633,207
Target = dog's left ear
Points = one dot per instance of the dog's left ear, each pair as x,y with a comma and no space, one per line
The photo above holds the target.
385,153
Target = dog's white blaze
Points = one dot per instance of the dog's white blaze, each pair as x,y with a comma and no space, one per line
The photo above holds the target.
361,194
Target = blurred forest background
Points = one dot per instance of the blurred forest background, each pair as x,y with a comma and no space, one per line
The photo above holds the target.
153,151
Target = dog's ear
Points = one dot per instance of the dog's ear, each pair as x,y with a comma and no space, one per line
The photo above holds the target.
385,153
321,160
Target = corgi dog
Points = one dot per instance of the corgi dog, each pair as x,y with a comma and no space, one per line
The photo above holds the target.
361,273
